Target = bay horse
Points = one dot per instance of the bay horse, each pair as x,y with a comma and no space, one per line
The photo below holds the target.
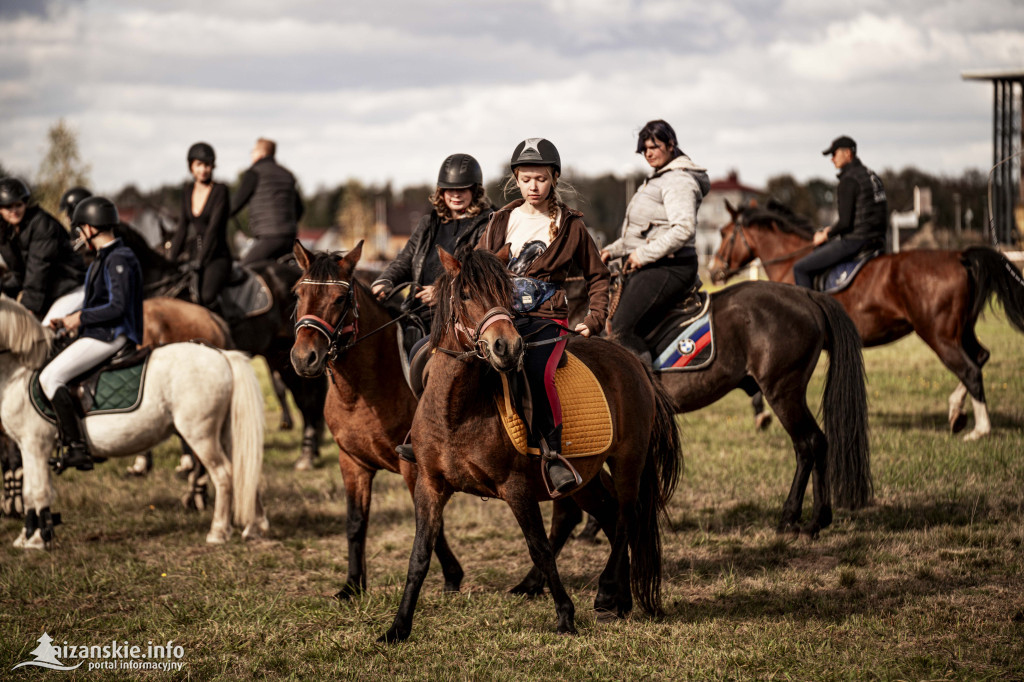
937,294
270,334
211,398
369,405
461,446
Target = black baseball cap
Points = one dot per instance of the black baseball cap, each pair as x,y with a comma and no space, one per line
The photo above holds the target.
841,142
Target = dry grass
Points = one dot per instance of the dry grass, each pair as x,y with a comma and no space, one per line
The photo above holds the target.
925,584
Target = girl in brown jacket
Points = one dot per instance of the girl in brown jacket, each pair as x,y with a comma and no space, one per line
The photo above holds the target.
547,238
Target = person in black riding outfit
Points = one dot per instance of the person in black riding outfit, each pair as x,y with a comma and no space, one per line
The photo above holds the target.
110,320
863,215
43,271
460,213
202,233
275,206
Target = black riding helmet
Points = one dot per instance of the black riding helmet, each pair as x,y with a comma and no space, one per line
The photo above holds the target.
13,190
536,151
201,151
99,212
70,200
459,171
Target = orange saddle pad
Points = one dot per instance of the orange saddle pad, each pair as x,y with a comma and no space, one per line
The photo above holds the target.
586,419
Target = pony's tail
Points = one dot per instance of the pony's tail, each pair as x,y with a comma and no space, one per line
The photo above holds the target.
246,446
662,468
845,406
992,273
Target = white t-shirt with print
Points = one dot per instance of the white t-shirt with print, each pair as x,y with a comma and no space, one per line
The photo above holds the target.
526,227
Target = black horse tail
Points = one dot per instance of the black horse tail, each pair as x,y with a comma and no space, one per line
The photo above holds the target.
992,273
661,472
845,404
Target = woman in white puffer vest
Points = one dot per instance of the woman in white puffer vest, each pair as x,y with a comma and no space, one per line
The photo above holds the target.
657,239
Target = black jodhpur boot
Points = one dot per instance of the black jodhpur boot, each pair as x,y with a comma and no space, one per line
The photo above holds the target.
75,453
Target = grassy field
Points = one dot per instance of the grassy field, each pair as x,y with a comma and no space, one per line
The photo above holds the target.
926,583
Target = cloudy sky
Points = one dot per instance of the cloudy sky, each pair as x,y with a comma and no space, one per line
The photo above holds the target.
384,90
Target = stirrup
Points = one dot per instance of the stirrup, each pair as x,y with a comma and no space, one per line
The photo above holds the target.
549,459
72,455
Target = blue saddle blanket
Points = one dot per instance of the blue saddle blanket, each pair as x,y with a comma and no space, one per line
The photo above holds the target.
841,275
693,348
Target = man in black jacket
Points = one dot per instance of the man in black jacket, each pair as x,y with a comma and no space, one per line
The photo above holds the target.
43,270
275,206
863,214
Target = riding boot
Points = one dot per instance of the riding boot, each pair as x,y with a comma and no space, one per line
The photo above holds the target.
404,451
75,451
562,477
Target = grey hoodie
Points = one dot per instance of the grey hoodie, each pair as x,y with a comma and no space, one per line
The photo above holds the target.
662,216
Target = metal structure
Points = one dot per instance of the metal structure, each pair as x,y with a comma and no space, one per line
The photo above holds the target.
1006,184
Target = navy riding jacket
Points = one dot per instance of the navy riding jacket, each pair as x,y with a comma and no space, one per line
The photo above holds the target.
113,295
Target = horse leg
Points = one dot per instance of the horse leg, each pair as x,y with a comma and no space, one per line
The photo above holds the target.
37,493
13,504
957,418
208,451
450,566
309,395
811,449
565,516
281,391
141,465
527,513
958,359
430,502
358,486
762,415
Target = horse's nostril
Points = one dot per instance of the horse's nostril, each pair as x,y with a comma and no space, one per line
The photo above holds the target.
500,346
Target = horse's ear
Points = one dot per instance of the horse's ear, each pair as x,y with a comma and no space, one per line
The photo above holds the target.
732,211
302,255
504,252
352,257
451,263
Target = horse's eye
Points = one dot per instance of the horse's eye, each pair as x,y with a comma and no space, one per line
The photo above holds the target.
465,296
339,300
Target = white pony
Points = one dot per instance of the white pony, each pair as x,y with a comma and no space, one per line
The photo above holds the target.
210,397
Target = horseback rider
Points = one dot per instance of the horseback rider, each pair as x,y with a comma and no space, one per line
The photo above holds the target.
43,270
110,320
275,206
459,215
69,200
863,214
547,238
658,237
202,232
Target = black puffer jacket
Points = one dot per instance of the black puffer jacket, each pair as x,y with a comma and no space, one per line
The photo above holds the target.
863,208
408,265
42,265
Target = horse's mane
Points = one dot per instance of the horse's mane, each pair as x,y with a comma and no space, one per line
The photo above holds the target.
780,215
481,274
21,333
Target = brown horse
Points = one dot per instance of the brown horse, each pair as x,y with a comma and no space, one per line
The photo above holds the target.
369,406
172,320
938,294
461,445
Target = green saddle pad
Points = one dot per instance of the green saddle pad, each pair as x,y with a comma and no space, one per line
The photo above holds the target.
115,390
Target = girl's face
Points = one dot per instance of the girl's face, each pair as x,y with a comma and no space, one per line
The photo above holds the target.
657,153
535,183
458,200
201,171
13,214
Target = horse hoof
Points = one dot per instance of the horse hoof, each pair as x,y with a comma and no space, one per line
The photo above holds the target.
975,435
393,636
255,531
569,629
348,592
763,421
35,542
810,533
528,588
958,423
788,529
606,616
216,538
305,463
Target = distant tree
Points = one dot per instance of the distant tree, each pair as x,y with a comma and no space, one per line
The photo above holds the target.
61,168
355,213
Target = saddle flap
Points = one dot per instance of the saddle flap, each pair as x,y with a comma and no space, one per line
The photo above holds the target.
586,418
113,386
841,275
248,296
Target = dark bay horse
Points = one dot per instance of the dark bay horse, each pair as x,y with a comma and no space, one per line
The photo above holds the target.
937,294
269,334
369,406
461,446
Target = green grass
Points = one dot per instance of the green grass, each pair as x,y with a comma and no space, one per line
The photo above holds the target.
924,584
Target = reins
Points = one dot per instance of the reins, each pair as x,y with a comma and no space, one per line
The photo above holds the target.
738,229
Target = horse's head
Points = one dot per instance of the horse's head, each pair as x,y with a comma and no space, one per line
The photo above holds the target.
474,301
325,312
734,251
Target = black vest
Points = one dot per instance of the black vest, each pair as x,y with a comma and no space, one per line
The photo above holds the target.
272,208
871,209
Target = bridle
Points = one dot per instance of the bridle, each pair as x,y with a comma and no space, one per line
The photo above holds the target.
334,333
473,346
738,230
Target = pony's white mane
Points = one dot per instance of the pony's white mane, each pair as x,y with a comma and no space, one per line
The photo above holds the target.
22,334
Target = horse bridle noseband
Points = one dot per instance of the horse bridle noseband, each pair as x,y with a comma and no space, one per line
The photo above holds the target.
475,347
334,333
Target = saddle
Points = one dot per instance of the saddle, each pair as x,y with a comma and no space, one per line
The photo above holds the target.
245,295
840,276
112,386
586,418
683,339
